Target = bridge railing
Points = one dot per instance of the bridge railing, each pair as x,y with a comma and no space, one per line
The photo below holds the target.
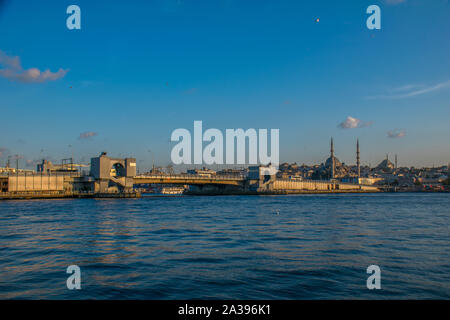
39,174
190,176
303,180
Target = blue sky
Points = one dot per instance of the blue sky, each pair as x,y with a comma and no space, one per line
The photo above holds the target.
136,72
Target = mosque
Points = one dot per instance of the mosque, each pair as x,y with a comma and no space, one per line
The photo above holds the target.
386,165
334,169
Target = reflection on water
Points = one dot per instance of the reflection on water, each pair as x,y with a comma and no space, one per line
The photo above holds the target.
234,247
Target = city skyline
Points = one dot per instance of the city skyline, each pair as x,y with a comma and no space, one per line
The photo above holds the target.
16,160
132,75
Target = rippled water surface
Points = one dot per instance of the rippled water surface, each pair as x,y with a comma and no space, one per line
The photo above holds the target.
233,247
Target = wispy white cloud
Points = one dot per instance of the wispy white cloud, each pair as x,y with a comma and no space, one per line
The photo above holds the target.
393,134
409,91
87,135
11,69
407,87
352,123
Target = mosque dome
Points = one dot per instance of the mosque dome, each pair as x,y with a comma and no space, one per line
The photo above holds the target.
386,164
329,162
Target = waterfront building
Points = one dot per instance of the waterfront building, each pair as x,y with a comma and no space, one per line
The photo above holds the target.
9,170
67,165
232,172
205,172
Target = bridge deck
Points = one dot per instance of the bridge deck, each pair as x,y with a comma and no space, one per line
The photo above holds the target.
189,179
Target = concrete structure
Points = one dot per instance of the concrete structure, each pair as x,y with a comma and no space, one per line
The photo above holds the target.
262,172
35,182
113,175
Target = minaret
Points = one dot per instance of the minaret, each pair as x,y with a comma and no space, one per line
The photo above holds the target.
333,163
396,162
358,164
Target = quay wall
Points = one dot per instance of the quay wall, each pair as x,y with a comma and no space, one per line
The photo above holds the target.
321,186
302,185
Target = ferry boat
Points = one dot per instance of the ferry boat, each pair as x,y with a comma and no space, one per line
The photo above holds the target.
172,190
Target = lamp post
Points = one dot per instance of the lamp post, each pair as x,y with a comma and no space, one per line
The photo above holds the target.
153,159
